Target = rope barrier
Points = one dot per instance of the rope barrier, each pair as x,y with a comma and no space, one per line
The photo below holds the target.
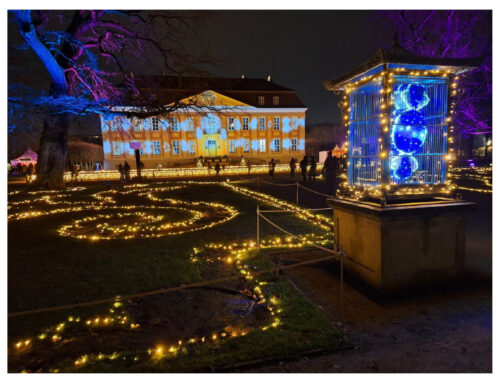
314,191
315,245
293,210
247,179
295,236
294,184
275,184
160,291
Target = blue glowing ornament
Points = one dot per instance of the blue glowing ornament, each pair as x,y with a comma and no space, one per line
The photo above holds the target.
410,117
409,133
403,167
410,97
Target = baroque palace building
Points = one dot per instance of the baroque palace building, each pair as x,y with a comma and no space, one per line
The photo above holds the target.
209,118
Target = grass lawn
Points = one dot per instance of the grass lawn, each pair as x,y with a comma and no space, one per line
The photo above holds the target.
46,269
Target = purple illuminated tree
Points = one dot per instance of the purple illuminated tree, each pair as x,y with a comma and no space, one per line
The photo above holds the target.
453,34
88,55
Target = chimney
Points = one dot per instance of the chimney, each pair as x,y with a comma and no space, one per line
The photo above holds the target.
269,78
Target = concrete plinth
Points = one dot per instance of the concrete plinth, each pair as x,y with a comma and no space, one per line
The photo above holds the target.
404,245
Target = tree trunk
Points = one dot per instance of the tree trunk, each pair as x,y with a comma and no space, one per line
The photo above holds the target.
52,152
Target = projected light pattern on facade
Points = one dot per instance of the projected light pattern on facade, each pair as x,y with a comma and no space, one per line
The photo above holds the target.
255,132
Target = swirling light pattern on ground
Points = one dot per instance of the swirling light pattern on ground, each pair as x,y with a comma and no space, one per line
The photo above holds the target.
236,253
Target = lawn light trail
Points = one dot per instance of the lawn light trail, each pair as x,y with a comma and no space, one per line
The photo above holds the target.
148,222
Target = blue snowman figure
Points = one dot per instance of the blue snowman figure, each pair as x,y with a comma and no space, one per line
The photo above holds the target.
409,130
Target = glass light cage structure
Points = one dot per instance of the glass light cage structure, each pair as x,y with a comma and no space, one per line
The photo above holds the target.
398,109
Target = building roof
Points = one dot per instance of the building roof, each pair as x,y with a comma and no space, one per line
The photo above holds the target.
169,89
29,154
397,55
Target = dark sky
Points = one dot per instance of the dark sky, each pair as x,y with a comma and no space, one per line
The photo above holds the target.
298,48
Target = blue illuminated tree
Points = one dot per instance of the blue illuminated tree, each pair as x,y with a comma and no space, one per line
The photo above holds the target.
88,55
453,34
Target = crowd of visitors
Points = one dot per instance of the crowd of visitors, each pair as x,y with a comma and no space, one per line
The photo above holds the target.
23,170
308,166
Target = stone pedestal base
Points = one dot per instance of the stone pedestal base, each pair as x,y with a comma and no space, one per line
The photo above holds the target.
404,245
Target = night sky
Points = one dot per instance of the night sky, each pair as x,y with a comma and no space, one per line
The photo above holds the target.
298,48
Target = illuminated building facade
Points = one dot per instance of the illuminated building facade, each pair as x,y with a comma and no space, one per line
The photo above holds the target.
399,108
210,118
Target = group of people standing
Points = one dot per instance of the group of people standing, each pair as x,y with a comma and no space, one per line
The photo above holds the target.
307,161
330,170
23,170
124,171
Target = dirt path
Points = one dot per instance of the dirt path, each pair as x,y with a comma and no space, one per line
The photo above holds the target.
436,331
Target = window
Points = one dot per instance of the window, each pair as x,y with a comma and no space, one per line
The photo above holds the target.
276,124
156,147
261,100
154,124
276,100
262,123
232,146
175,147
138,126
117,148
262,145
189,125
245,123
113,125
230,123
191,147
276,145
294,144
174,123
246,145
145,124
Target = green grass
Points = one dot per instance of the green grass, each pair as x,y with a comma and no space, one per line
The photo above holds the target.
302,329
47,270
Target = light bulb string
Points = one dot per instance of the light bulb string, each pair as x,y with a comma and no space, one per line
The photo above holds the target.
336,254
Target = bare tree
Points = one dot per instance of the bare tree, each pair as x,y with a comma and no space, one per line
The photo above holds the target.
324,137
88,55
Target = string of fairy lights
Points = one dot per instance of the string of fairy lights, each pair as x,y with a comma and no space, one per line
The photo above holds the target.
386,78
175,173
476,175
128,221
235,253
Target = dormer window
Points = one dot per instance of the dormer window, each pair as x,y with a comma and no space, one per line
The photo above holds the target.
261,100
276,100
